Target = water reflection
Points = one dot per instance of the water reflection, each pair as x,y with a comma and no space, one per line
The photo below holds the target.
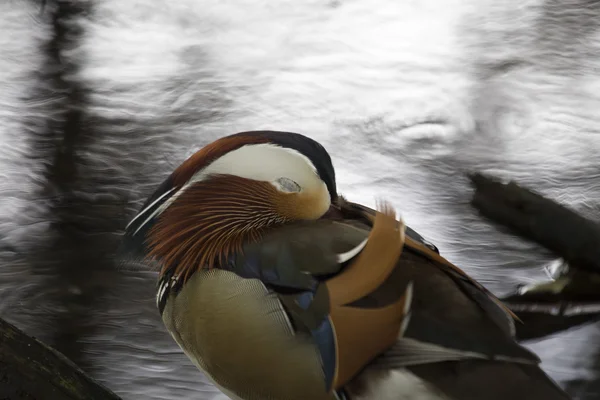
406,96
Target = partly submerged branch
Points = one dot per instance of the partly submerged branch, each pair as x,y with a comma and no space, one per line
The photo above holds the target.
544,221
573,298
30,370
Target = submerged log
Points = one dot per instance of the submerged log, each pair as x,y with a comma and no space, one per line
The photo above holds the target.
544,221
29,369
573,297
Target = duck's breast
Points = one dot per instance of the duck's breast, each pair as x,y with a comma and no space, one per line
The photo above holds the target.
238,334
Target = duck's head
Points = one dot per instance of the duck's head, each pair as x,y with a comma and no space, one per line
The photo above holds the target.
230,192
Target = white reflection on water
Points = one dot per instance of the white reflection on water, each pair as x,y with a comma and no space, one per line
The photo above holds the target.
405,95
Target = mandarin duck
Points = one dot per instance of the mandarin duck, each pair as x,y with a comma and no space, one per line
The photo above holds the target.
278,288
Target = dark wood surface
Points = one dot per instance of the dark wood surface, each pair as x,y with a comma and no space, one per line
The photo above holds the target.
31,370
548,309
542,220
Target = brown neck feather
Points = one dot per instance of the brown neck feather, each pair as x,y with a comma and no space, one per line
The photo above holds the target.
210,220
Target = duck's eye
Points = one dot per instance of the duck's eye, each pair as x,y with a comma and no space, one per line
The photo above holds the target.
287,185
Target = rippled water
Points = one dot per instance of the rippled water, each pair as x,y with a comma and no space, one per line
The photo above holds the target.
406,96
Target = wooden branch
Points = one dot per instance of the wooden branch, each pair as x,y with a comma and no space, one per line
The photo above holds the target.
574,297
534,217
31,370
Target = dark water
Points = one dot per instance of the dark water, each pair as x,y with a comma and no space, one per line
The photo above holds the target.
99,100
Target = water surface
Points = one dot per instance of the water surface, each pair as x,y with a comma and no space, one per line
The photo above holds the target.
406,96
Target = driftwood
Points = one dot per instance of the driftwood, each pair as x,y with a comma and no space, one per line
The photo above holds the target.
573,298
31,370
555,227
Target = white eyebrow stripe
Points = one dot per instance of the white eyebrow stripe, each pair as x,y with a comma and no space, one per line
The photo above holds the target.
141,213
275,162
